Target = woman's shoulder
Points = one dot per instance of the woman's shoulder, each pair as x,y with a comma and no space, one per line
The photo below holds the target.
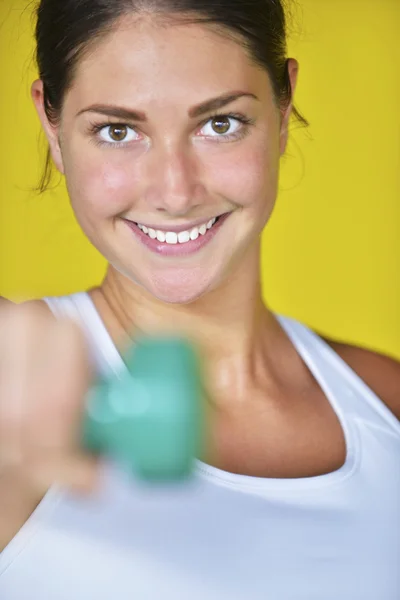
379,371
37,304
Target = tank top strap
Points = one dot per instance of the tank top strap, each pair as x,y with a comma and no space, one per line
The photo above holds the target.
351,396
79,307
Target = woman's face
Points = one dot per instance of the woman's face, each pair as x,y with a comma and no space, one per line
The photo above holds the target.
172,164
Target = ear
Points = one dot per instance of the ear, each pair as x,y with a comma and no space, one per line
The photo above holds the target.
293,70
52,133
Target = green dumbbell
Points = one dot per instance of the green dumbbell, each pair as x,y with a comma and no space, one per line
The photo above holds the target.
149,418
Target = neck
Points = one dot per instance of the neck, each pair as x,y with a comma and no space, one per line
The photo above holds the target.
230,326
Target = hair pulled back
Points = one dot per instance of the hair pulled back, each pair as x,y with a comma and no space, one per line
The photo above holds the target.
67,29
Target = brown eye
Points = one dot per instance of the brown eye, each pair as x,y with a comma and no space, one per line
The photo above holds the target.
118,133
221,124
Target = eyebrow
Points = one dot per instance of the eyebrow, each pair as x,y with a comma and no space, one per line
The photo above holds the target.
194,112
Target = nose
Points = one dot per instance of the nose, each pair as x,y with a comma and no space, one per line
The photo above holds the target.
173,177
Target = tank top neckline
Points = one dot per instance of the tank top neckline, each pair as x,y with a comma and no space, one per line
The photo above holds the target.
114,361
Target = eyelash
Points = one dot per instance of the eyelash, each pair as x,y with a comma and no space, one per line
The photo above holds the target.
246,122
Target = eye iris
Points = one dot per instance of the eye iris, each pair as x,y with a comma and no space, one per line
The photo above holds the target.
221,125
118,133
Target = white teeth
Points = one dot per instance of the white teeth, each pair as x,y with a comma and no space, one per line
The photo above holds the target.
161,236
170,237
183,236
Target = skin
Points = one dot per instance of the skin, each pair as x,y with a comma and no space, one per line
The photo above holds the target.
176,169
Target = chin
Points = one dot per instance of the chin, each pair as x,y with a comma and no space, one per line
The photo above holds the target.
177,285
179,290
181,287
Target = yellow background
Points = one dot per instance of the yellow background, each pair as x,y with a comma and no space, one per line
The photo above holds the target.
331,253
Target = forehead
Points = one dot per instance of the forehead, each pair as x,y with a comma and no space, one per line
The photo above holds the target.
148,61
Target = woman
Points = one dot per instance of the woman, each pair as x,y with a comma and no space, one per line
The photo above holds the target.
168,120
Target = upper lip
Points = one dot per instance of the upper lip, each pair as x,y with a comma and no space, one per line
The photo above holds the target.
177,228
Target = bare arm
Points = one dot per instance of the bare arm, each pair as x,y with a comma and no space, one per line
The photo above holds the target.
40,446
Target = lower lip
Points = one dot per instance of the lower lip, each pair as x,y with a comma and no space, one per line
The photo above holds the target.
178,249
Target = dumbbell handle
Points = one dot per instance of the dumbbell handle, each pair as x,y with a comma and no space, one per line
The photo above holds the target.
149,418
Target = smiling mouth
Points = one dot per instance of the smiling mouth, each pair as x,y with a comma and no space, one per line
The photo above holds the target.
181,237
178,244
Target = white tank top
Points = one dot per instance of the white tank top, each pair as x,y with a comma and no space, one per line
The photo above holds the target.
224,536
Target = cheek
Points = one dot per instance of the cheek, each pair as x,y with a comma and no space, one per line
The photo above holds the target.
101,190
248,177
